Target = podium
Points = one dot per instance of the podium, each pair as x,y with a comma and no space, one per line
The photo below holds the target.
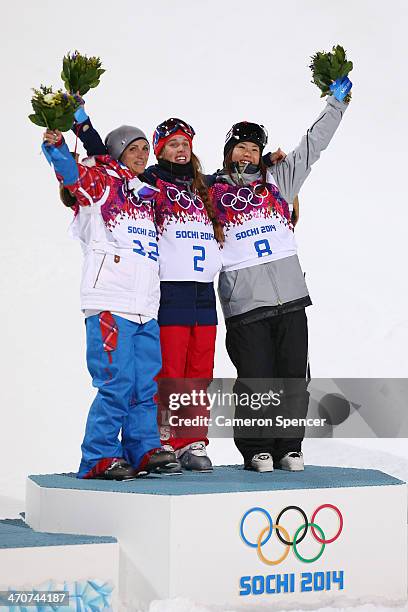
238,538
84,566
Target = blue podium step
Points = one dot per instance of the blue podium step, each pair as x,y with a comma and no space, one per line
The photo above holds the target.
226,479
15,533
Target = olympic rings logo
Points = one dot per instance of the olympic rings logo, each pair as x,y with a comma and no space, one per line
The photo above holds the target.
184,198
300,533
243,197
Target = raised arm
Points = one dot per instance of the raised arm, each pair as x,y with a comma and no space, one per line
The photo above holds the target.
87,134
291,172
87,185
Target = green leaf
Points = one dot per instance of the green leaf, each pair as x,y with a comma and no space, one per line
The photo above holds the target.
50,113
91,74
335,64
343,70
74,81
65,80
36,107
64,124
349,66
66,69
333,74
321,83
59,111
37,120
322,66
340,54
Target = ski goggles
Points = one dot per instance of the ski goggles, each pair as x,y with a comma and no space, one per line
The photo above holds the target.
169,127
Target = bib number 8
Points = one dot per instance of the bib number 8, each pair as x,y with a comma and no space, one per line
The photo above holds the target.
262,247
198,258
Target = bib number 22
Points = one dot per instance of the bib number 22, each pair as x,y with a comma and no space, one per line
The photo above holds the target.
152,254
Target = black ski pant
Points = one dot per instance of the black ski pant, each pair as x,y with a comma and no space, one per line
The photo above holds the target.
273,348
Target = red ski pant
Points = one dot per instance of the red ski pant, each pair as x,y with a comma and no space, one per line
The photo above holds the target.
187,353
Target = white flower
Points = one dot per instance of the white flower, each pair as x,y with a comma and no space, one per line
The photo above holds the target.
49,98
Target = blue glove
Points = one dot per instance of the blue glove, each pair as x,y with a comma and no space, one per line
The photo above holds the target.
142,190
147,192
63,162
80,114
340,88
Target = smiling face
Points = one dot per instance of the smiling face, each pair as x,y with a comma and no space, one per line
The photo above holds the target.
177,150
135,156
246,153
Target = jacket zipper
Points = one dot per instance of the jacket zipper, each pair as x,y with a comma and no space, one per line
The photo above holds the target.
99,271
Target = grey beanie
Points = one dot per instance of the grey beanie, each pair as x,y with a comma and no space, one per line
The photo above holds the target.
117,140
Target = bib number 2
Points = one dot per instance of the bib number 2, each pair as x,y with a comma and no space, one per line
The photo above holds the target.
199,258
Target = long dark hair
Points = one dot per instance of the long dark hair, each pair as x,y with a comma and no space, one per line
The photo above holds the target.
229,167
200,186
66,197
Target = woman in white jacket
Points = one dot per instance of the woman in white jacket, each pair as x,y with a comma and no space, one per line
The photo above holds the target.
120,298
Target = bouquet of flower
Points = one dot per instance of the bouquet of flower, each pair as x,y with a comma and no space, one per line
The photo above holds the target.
80,73
328,67
53,110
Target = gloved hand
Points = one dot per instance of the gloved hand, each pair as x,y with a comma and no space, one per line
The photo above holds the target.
58,155
142,190
340,88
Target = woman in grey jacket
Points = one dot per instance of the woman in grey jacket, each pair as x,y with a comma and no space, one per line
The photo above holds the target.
261,287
